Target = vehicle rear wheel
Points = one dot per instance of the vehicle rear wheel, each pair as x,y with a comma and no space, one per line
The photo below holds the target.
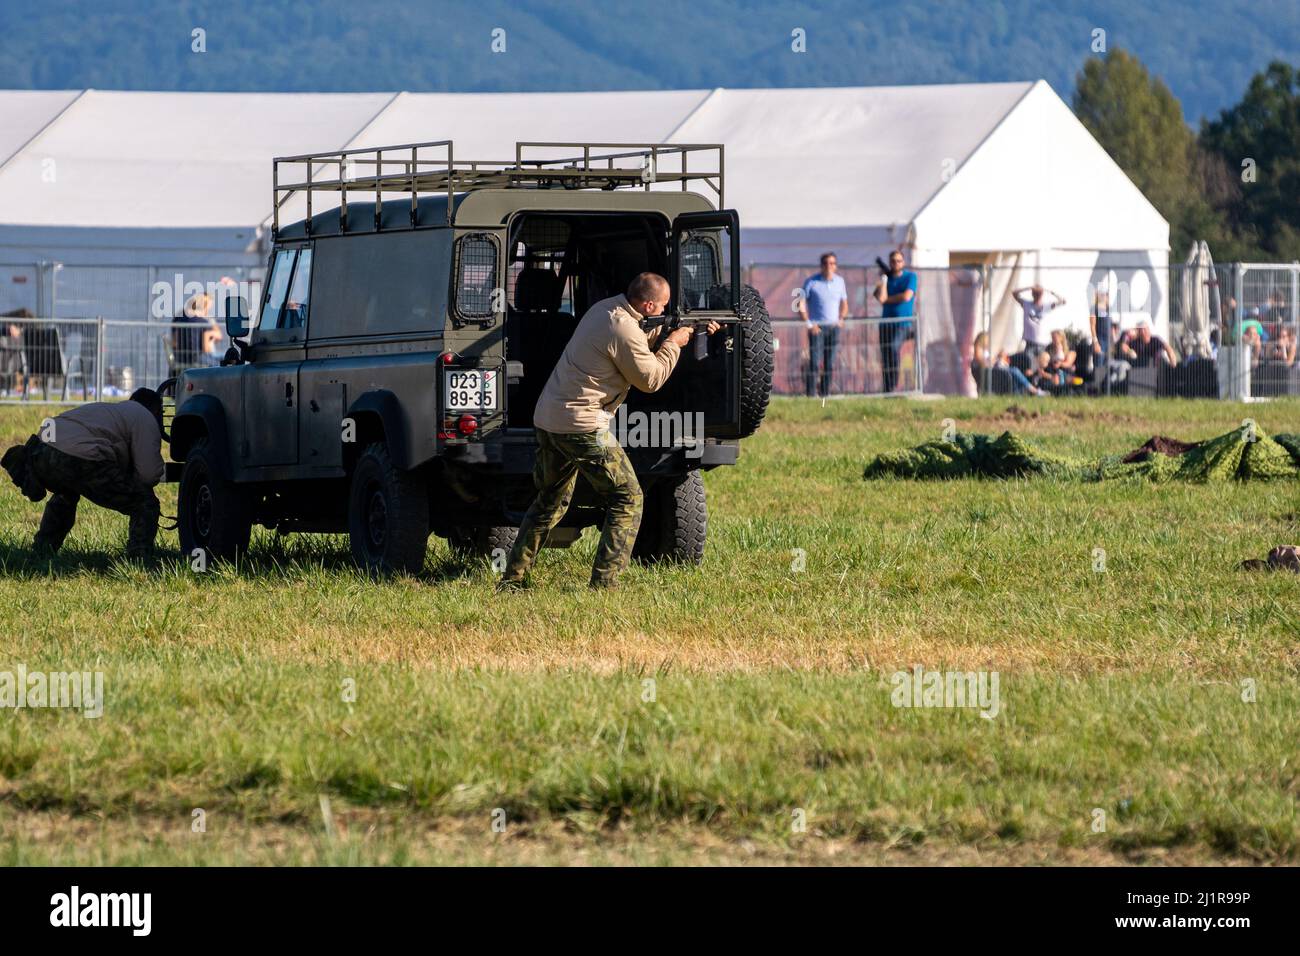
757,358
388,515
674,521
478,542
212,514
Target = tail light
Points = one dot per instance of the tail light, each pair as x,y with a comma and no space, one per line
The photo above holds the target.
467,425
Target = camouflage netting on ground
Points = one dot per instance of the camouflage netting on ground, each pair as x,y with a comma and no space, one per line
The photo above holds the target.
1238,455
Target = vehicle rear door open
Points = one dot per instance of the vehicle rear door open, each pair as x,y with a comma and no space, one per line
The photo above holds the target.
705,276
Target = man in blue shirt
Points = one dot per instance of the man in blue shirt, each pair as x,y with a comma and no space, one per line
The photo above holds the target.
824,306
896,293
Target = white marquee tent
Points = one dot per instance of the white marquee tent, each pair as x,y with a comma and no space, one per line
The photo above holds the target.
960,174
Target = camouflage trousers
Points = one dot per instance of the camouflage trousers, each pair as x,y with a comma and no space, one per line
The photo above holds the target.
597,457
69,479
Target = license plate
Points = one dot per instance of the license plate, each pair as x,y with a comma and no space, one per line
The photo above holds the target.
470,390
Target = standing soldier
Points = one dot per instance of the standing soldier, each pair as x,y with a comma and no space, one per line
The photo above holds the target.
108,452
608,355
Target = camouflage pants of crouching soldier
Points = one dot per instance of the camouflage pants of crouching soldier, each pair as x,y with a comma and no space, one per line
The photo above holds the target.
69,479
597,457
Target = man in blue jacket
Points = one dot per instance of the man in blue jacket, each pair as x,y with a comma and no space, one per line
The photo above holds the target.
896,293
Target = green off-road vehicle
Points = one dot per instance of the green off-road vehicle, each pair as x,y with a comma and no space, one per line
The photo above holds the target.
387,385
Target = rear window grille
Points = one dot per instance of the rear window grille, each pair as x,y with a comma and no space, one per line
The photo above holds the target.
699,270
476,272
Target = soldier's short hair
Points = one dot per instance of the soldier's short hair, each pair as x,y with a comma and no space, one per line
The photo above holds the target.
647,287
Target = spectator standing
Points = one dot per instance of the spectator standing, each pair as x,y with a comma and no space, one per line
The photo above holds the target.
824,306
194,333
1036,307
11,351
896,293
1103,327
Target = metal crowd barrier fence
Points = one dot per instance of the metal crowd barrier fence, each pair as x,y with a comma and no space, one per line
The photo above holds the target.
118,293
1232,330
60,361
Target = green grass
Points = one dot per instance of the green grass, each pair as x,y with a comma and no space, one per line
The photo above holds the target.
1121,690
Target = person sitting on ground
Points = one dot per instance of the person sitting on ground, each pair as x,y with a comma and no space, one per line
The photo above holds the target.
1252,323
987,367
1141,348
1059,360
1284,348
109,452
1252,337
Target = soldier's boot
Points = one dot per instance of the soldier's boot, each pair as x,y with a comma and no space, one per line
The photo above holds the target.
59,517
143,527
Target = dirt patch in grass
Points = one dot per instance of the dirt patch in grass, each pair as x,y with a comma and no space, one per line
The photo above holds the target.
385,837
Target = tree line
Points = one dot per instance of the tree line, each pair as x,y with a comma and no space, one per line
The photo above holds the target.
1235,182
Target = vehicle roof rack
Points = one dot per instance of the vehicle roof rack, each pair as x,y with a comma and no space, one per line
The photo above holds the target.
416,168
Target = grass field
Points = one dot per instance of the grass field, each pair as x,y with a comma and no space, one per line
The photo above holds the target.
519,729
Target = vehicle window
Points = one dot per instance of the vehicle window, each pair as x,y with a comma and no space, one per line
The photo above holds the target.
476,269
384,282
700,268
294,315
276,288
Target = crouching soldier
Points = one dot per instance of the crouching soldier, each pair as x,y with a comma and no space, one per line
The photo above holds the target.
108,452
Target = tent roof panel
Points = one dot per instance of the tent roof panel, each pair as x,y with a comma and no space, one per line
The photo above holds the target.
171,159
796,158
24,113
860,155
487,125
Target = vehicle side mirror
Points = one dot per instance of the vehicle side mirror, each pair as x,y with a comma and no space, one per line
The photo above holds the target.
235,312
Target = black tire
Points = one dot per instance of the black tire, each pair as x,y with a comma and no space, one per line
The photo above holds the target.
388,515
674,522
757,358
477,542
212,513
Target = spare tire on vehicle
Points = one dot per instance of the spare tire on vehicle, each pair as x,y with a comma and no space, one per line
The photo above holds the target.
757,355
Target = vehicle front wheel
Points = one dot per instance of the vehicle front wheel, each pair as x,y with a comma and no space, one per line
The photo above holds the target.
213,515
388,515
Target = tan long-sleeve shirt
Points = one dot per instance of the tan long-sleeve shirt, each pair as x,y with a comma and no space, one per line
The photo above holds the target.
608,355
124,434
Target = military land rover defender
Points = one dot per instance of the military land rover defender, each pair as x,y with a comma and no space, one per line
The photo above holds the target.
386,387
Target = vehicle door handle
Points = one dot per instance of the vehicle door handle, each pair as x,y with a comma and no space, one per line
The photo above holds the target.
288,393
